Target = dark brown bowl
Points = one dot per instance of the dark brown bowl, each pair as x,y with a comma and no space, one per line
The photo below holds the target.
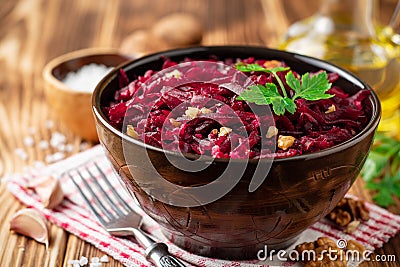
297,191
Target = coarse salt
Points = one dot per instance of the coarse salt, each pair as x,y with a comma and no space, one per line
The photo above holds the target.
83,261
86,78
72,262
49,124
83,146
54,157
104,258
29,141
31,130
21,153
57,139
43,144
95,260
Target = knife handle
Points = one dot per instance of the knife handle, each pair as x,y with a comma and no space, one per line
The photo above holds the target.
158,253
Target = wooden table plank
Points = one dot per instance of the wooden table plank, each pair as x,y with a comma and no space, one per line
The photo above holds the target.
34,31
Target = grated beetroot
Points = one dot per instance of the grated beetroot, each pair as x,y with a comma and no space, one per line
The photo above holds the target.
159,117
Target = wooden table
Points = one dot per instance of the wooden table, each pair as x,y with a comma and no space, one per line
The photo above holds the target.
34,31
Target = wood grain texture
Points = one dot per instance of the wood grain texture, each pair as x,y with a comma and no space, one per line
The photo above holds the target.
34,31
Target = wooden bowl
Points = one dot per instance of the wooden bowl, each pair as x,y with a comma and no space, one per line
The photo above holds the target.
297,191
72,107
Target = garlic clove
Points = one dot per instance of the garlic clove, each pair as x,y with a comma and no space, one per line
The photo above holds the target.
49,190
31,223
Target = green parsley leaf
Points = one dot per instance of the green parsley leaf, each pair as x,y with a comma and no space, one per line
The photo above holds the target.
266,95
254,95
381,170
387,188
310,88
255,67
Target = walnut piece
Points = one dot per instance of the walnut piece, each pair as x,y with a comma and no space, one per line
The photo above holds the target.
331,109
351,227
285,141
175,123
205,111
326,253
271,132
224,131
131,132
354,245
192,112
347,212
270,64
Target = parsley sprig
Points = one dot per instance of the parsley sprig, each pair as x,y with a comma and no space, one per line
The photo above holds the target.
381,170
309,87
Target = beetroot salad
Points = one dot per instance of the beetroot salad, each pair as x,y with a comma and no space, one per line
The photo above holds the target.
205,118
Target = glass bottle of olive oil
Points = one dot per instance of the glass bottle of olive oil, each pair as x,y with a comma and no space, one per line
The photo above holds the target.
347,34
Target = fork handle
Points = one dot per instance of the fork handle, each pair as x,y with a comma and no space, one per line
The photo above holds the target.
158,253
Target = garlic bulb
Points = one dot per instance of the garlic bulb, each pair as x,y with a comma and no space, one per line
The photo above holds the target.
31,223
49,190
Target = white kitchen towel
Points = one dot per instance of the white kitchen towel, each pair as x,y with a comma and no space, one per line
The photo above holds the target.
74,217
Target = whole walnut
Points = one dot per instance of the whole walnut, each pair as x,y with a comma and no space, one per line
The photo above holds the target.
178,29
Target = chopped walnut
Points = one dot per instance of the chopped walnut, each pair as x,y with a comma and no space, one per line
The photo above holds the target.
224,131
205,111
285,141
175,73
270,64
355,246
132,132
326,253
322,241
331,109
340,217
175,123
214,131
271,132
347,212
351,227
192,112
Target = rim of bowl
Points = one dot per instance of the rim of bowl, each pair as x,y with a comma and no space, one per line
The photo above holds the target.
344,74
47,72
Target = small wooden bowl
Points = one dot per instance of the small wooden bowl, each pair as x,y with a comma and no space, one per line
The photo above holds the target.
72,107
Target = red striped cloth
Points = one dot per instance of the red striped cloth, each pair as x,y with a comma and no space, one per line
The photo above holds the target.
76,219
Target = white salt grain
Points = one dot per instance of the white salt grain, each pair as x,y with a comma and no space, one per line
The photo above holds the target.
72,262
86,78
49,124
55,157
83,261
29,141
83,146
76,264
95,260
38,164
31,130
43,145
104,258
95,264
21,153
69,147
57,139
61,147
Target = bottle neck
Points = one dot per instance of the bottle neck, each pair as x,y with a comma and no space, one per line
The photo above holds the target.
351,15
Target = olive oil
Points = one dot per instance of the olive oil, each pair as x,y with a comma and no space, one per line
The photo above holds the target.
344,33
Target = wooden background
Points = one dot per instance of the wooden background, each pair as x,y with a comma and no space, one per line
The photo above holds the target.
34,31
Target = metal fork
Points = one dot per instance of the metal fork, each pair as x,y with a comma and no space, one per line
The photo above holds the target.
119,219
